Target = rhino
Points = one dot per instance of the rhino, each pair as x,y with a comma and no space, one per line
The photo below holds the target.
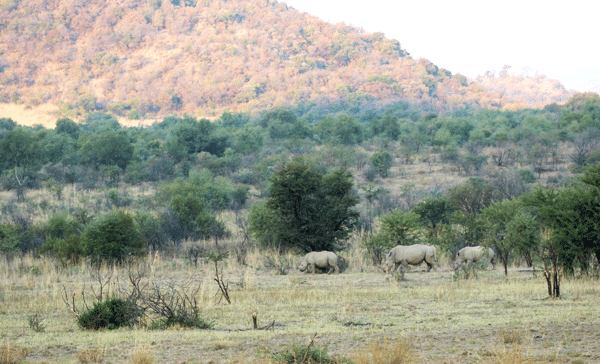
474,254
315,261
412,254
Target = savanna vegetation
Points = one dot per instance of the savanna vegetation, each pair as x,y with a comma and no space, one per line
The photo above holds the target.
189,223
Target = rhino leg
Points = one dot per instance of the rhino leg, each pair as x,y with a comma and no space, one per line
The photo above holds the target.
312,268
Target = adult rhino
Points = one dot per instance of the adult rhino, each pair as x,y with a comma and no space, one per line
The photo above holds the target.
411,254
314,261
474,254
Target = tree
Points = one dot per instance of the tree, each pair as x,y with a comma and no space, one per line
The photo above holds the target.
19,148
434,213
570,218
510,228
382,162
306,209
112,237
108,148
401,228
68,127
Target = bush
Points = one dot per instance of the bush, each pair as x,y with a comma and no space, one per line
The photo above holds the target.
527,175
9,239
110,314
382,162
112,237
306,355
376,246
189,318
67,250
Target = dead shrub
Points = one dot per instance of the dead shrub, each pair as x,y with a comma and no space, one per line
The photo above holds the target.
398,352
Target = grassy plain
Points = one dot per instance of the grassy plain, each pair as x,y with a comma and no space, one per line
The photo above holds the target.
447,320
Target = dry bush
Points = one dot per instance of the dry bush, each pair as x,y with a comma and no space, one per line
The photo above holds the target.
399,352
12,354
143,355
91,355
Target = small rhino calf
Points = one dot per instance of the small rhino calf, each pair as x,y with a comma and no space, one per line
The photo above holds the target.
320,260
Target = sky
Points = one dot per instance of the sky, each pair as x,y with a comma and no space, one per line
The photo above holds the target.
557,39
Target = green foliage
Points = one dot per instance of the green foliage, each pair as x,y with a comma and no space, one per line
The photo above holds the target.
67,250
98,123
111,314
306,209
63,240
376,245
112,237
342,128
9,239
306,355
35,323
263,223
527,175
382,162
434,212
471,197
108,148
401,228
509,228
7,124
191,203
189,319
67,127
56,147
387,125
19,148
572,215
249,140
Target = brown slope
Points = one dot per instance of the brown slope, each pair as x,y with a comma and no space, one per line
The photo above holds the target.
212,55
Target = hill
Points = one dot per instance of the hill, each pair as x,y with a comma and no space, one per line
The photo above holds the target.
524,90
203,57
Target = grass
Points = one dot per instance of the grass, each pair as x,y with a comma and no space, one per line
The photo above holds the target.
434,310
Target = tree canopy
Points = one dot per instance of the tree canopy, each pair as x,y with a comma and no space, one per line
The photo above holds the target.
307,209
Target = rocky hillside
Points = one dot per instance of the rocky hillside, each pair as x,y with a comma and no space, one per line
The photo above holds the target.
133,58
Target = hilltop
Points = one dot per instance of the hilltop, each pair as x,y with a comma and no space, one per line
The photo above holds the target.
203,57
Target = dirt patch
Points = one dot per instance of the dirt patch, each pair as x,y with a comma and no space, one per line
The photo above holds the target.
45,115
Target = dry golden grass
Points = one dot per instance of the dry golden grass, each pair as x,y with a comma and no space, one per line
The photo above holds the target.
512,336
143,355
347,310
512,355
398,352
91,355
12,354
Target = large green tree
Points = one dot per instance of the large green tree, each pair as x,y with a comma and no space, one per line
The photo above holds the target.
306,209
571,226
108,148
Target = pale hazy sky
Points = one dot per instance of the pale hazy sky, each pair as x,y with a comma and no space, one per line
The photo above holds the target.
558,39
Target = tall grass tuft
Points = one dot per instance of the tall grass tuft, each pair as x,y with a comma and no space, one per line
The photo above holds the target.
91,356
143,355
399,352
12,354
